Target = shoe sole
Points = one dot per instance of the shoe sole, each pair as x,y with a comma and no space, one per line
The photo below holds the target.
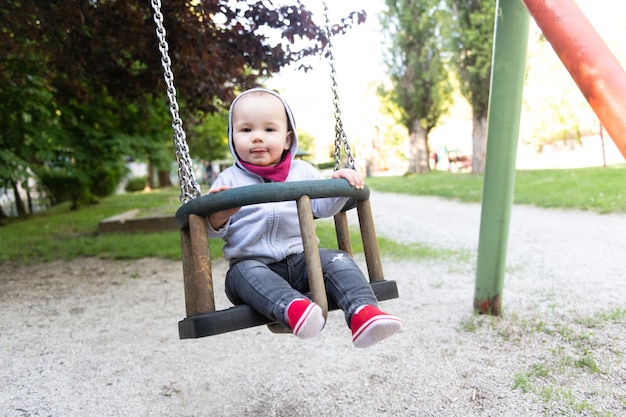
311,322
376,330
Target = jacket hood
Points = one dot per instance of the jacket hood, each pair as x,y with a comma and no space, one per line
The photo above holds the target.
290,121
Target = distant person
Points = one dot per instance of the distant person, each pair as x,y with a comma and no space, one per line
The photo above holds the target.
263,242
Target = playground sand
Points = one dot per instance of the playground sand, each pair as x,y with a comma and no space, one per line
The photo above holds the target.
95,337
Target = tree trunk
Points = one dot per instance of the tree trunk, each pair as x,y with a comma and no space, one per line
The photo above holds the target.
19,204
150,185
164,178
418,150
479,144
30,201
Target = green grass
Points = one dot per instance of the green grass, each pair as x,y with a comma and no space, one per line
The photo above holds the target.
63,234
571,366
602,190
387,247
60,233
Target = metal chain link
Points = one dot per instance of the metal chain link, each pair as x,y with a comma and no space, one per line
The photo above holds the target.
340,134
189,188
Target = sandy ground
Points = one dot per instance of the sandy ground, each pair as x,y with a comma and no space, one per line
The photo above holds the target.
96,337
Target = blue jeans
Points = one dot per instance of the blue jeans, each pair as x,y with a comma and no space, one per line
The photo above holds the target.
270,288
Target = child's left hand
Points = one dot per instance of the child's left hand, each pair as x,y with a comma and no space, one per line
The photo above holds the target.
353,177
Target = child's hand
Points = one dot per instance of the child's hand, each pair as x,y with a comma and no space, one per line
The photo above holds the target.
353,177
219,218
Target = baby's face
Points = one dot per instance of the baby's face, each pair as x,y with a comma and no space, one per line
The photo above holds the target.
260,132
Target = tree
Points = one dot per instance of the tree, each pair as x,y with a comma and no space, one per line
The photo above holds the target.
555,111
217,46
28,121
472,43
90,53
209,138
421,87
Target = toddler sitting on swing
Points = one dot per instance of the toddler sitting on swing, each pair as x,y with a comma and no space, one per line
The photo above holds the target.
263,244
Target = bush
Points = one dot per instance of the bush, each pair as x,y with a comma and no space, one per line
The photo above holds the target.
326,165
62,185
104,181
136,184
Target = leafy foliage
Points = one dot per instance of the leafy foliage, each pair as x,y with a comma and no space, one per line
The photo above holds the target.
416,63
216,46
471,45
555,110
79,80
421,88
208,139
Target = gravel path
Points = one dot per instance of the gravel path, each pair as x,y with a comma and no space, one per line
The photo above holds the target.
96,337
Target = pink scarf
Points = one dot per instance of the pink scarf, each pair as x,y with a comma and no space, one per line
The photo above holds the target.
276,173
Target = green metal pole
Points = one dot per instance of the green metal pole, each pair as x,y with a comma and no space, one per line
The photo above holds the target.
505,106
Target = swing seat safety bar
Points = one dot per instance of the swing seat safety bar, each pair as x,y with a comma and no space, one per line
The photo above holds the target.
202,318
267,193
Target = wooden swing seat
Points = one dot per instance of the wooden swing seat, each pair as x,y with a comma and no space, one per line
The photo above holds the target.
202,317
243,316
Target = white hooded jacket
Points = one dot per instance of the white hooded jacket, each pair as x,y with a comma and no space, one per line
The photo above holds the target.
267,232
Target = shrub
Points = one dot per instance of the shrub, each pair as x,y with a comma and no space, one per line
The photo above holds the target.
136,184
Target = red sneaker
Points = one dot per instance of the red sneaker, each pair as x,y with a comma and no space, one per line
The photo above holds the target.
369,326
305,318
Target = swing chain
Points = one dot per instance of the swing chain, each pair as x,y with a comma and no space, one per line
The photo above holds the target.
189,188
340,134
